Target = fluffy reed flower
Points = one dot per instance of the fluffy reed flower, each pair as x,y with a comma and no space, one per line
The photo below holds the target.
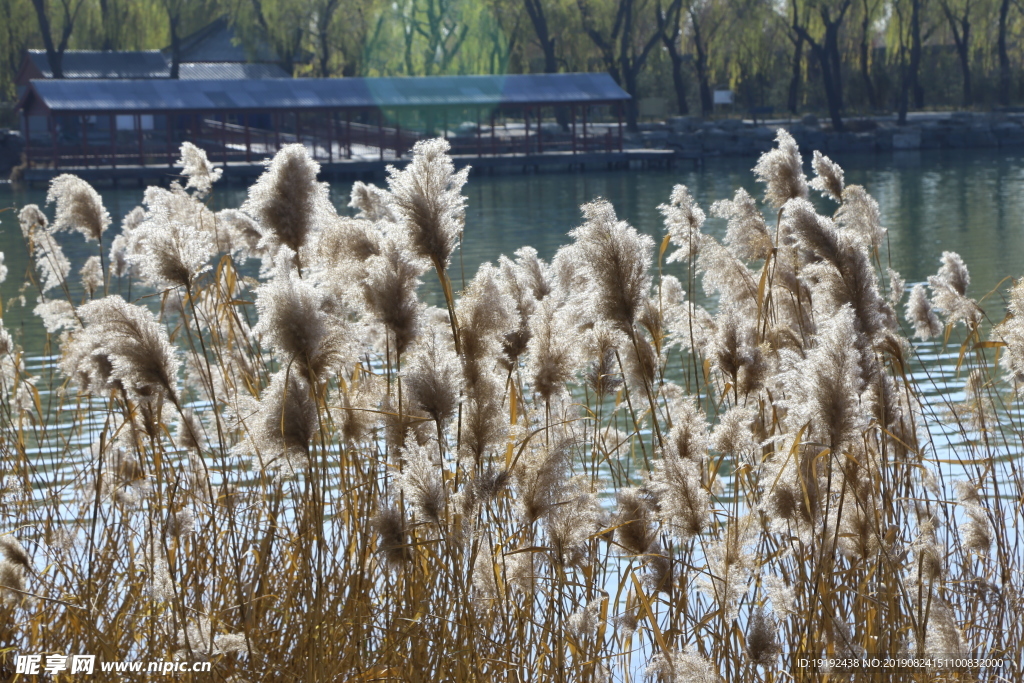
781,169
486,313
584,623
197,168
394,539
92,275
134,343
682,667
280,428
189,434
427,200
762,639
688,439
540,477
684,503
976,533
49,257
287,201
14,552
484,418
824,388
850,278
603,375
683,222
1012,332
553,350
31,219
389,292
526,280
747,233
200,641
617,260
3,268
634,521
237,234
570,525
371,202
124,243
422,482
734,434
949,291
433,376
293,323
174,242
181,523
920,314
860,214
357,418
828,178
57,315
79,207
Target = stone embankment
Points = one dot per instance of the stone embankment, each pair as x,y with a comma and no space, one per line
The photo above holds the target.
692,138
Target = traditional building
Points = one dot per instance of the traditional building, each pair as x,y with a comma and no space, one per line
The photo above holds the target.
142,122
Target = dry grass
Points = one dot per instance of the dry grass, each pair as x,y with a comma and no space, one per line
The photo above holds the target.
570,472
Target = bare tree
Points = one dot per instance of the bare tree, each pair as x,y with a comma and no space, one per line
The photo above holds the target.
69,10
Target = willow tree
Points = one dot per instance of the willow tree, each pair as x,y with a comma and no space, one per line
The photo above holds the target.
823,38
624,32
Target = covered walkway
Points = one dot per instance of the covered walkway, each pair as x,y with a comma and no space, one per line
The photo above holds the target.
142,123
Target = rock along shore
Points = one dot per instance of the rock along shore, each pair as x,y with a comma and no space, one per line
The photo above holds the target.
693,138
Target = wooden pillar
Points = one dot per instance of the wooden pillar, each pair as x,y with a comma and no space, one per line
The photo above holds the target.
248,140
479,151
298,127
28,136
330,137
526,129
584,129
52,121
540,133
138,137
348,134
169,142
277,131
113,140
398,134
572,114
380,133
224,139
618,110
83,122
494,147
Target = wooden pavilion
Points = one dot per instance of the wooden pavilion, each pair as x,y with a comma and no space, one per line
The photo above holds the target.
105,123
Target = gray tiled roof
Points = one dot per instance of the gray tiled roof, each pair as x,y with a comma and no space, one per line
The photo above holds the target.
106,64
229,71
326,93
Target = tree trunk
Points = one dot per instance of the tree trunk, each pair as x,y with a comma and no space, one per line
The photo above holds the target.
679,81
700,64
865,59
175,48
54,57
915,54
1004,55
961,30
796,80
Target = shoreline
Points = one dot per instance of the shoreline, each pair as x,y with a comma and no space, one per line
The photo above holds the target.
694,138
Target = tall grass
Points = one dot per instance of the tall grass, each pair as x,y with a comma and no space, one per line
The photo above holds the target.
570,471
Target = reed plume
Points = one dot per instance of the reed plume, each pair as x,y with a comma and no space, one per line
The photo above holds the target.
79,207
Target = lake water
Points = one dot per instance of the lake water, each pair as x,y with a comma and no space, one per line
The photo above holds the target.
969,202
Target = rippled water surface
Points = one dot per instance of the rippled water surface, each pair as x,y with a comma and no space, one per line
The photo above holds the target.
969,202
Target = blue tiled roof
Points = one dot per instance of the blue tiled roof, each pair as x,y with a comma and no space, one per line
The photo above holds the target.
325,93
105,64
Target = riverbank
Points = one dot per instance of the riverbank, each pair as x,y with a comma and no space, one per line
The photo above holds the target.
693,138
